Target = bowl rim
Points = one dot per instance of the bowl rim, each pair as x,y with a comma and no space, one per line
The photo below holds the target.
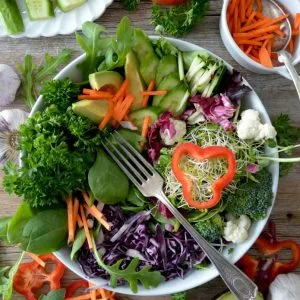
224,23
188,282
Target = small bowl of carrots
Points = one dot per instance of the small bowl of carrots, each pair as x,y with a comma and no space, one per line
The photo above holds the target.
248,34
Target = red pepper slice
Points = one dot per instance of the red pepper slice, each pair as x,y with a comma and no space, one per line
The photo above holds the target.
201,154
248,264
268,249
31,276
73,287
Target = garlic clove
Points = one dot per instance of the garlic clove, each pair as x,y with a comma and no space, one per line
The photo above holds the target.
8,78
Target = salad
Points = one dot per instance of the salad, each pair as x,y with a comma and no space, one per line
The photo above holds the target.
183,112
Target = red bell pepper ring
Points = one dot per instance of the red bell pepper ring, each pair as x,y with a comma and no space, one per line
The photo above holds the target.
32,276
248,264
210,152
73,287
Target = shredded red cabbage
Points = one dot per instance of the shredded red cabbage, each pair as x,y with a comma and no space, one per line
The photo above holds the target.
218,109
173,254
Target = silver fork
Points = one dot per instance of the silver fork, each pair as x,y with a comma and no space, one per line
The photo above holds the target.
150,183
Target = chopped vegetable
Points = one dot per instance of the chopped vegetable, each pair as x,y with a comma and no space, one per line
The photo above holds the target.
180,19
154,93
37,259
130,5
86,228
149,89
11,16
74,286
201,154
71,228
31,276
145,127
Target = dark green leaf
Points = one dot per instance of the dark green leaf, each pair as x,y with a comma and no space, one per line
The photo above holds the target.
54,295
130,5
4,221
78,243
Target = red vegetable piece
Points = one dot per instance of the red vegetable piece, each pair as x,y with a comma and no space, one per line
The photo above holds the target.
74,286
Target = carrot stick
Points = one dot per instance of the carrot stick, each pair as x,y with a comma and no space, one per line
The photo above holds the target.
108,115
96,96
243,11
124,108
250,19
291,46
37,259
280,33
154,93
265,58
71,229
264,37
75,211
122,91
263,23
296,32
86,91
264,45
256,33
236,20
297,21
259,5
149,89
93,292
249,9
79,222
249,42
145,128
98,215
249,49
232,7
269,46
254,58
86,229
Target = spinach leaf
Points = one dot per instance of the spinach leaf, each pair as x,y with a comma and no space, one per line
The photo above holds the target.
148,278
15,228
135,201
6,280
80,238
4,228
54,295
107,181
45,232
94,45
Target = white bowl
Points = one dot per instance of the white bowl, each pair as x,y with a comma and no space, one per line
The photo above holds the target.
292,6
195,277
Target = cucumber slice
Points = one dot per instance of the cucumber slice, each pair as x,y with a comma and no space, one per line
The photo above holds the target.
138,116
39,9
168,64
141,44
148,67
176,100
11,16
67,5
167,84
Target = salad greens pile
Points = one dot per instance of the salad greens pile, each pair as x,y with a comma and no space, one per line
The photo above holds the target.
75,194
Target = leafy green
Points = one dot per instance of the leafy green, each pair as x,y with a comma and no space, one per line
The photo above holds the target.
287,135
32,77
130,5
135,201
104,176
94,44
4,222
59,149
62,93
54,295
163,47
6,278
179,296
29,94
179,19
149,279
80,238
252,198
211,229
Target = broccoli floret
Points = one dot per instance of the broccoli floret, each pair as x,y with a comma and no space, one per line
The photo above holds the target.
130,5
252,198
211,229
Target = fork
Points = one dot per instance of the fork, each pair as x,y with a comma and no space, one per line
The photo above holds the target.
150,184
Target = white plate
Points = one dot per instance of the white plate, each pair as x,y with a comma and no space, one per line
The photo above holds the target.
195,277
62,23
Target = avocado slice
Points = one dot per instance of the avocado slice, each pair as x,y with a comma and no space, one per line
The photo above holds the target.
167,84
168,64
176,100
138,116
230,296
148,67
132,73
94,110
105,78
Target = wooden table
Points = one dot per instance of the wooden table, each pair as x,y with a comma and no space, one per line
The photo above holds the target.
277,93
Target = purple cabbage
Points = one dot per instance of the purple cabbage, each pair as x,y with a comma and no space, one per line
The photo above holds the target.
252,168
218,109
173,254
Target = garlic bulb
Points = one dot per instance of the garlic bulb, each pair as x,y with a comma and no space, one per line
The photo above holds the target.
8,78
10,120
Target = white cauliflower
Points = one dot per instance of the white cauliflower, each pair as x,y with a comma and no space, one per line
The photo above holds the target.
8,78
236,229
251,128
180,131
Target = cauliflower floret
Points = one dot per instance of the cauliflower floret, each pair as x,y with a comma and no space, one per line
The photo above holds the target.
236,229
180,131
251,128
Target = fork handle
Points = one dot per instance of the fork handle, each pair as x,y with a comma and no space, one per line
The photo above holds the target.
239,284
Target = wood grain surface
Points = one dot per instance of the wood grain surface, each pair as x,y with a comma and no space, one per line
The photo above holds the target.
277,93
